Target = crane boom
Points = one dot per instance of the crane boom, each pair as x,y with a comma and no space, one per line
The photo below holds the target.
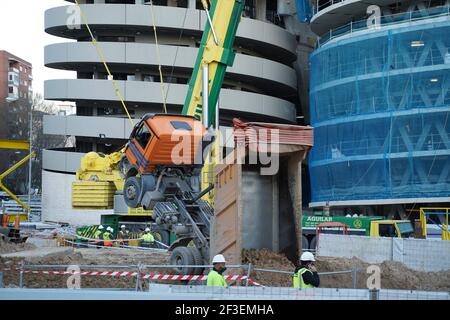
225,16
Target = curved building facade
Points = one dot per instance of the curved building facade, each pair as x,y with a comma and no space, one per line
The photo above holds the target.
262,85
380,106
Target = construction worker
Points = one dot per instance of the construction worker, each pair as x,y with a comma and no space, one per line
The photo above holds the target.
98,235
306,274
147,239
107,236
215,277
123,234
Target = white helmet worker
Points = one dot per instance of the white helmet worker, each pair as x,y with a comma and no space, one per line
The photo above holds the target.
307,256
122,226
108,228
147,229
100,227
218,258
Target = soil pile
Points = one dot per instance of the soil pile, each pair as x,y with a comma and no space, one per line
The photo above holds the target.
394,275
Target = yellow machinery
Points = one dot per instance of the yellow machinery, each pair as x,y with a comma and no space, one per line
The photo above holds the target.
391,228
433,215
97,181
17,145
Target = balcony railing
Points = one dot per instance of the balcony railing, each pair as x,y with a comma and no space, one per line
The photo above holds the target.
410,16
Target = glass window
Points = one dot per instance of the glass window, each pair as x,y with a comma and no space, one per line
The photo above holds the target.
143,136
387,230
181,125
406,229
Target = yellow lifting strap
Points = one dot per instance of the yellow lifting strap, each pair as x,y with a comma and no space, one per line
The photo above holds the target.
102,57
163,93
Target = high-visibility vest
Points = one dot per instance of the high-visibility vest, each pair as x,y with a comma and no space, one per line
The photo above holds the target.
97,234
215,279
148,237
106,236
298,278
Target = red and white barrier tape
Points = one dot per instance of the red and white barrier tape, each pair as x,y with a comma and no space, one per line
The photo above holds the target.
141,276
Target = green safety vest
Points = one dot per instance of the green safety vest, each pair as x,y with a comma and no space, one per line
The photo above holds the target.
215,279
106,236
148,237
298,277
97,234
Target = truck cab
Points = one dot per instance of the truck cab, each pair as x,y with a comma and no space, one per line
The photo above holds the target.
391,228
165,140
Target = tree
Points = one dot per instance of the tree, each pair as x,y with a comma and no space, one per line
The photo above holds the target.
40,107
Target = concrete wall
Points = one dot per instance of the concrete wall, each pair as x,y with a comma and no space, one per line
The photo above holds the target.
56,201
417,254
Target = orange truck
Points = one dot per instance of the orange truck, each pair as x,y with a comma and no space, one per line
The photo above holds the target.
162,146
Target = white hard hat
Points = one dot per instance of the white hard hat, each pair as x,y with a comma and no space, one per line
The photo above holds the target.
218,258
122,226
111,229
147,229
108,228
307,256
100,227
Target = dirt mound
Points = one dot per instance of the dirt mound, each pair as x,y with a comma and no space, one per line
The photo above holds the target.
394,275
85,257
9,247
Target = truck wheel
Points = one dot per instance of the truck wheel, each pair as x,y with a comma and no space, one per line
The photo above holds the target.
162,236
182,256
132,191
312,244
305,243
198,260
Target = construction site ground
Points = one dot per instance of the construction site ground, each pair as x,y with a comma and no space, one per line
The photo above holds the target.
394,275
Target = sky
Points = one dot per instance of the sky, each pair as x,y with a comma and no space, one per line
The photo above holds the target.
22,25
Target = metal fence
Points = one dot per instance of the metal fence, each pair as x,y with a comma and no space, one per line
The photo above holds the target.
138,272
198,290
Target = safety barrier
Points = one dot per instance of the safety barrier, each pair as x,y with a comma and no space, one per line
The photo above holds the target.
139,274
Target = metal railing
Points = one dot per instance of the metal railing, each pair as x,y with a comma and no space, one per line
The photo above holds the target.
387,20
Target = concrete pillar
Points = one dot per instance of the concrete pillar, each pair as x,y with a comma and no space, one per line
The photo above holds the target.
295,190
275,215
192,4
261,7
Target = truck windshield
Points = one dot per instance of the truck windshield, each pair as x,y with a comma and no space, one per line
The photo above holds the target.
406,229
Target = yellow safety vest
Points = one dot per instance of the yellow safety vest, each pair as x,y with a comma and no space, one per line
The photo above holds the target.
215,279
297,278
148,237
97,234
106,236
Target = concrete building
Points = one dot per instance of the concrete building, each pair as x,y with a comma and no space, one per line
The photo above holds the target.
16,96
380,103
262,85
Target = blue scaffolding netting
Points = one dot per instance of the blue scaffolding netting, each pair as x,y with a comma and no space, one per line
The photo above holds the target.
380,106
